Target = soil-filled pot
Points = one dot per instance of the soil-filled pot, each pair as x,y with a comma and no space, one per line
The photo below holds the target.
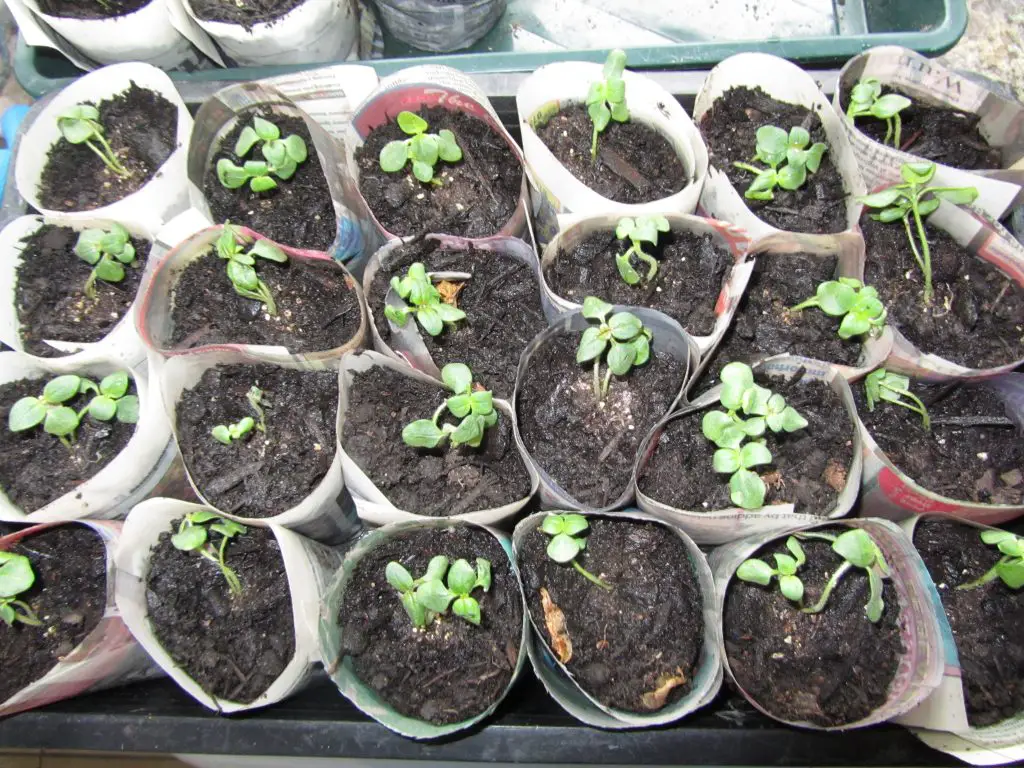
749,91
189,303
392,481
494,281
145,123
231,651
972,133
368,640
80,644
812,473
440,27
652,163
106,467
584,448
645,650
834,669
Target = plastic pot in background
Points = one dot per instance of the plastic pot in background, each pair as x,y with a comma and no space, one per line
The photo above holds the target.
439,27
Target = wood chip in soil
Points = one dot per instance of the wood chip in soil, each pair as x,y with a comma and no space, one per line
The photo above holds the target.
245,13
91,9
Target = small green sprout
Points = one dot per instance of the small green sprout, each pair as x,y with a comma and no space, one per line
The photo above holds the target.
80,124
625,338
255,399
891,387
866,99
1009,568
914,197
758,571
774,147
427,597
856,303
606,98
229,433
108,251
194,536
858,550
642,229
281,157
16,576
418,289
242,264
566,542
422,148
476,409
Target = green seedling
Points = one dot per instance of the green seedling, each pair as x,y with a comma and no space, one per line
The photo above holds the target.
775,147
866,99
230,433
914,198
758,571
427,597
255,399
80,124
108,251
567,542
858,550
1009,568
642,229
625,338
242,264
606,98
893,388
194,535
418,289
281,158
856,303
16,576
476,409
421,148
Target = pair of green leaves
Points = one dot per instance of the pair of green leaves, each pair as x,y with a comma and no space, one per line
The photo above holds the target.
642,229
475,409
567,542
80,124
229,433
775,147
757,571
606,98
281,158
194,535
622,335
16,576
856,303
242,264
1009,568
422,149
417,288
108,251
427,597
866,100
882,385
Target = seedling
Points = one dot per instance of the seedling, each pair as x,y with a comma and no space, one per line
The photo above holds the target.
858,550
16,576
856,303
625,338
1009,568
606,98
566,542
758,571
642,229
427,597
80,124
422,148
728,430
914,198
242,264
866,99
108,251
418,289
775,147
255,398
281,157
893,388
476,409
229,433
194,535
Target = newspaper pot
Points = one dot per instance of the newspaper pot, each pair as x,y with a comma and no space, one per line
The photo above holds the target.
146,210
371,504
669,339
578,702
554,190
930,83
439,27
308,566
338,662
921,663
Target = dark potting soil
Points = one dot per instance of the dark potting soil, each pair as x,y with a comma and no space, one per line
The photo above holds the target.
265,473
985,620
141,127
975,463
976,317
36,467
830,668
69,596
452,670
628,642
246,14
635,163
317,309
233,647
49,293
589,448
439,482
730,129
299,212
686,288
809,467
477,195
90,9
501,302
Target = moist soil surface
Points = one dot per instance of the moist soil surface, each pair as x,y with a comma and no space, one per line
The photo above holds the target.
141,127
643,634
49,293
233,647
686,287
586,447
246,14
985,620
730,129
830,668
976,317
91,9
69,596
452,670
809,467
36,467
317,309
957,460
476,197
439,482
264,474
501,302
635,163
298,212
